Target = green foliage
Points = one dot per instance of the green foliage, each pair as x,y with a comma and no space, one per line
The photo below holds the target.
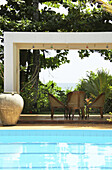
42,104
55,61
96,84
84,53
106,54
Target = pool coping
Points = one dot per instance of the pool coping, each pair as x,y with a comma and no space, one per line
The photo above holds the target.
58,127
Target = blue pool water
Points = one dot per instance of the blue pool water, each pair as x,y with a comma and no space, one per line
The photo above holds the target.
55,149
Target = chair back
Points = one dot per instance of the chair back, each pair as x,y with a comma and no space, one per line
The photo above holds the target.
54,102
99,101
75,99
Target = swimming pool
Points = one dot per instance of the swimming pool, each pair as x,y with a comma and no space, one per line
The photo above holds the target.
55,149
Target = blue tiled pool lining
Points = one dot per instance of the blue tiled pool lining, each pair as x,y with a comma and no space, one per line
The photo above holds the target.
91,136
55,149
56,132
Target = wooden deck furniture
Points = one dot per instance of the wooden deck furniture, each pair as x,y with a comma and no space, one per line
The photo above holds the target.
97,103
75,101
55,103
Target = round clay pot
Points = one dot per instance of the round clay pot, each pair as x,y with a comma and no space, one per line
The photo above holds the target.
11,106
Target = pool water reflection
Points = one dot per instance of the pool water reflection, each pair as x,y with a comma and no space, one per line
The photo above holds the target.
46,150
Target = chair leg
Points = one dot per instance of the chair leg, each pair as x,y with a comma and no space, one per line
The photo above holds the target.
66,113
73,111
69,112
87,111
83,114
52,113
101,112
79,112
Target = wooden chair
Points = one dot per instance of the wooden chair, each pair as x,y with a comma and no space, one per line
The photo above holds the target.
97,103
75,101
54,103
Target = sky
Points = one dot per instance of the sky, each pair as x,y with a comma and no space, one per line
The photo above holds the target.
76,69
2,2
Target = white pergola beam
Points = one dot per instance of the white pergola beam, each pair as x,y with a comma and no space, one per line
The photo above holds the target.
14,41
58,37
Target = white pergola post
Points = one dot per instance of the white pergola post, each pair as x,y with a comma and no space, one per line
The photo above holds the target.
14,41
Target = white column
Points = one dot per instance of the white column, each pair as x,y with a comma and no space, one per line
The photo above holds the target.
17,82
9,68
